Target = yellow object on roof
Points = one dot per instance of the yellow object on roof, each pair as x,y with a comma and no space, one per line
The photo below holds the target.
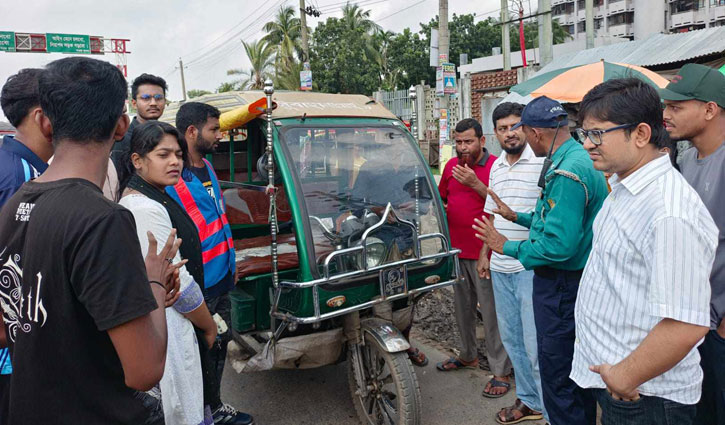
293,104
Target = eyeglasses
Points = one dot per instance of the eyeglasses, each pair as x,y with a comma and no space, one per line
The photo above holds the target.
596,135
147,97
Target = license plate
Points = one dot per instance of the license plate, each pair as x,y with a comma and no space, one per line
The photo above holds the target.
394,281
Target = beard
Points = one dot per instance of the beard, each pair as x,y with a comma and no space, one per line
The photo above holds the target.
206,147
466,159
514,150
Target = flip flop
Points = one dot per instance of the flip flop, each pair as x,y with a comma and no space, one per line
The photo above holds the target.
527,414
417,357
455,364
495,383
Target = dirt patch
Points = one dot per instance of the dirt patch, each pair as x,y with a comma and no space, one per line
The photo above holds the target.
435,320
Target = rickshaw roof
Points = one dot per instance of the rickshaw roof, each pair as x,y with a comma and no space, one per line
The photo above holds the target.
293,104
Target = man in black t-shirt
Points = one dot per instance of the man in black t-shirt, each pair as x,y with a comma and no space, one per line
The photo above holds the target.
85,326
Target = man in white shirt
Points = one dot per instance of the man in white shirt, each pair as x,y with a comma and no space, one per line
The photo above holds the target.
514,178
643,303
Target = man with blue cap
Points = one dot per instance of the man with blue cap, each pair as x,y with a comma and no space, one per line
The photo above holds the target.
557,250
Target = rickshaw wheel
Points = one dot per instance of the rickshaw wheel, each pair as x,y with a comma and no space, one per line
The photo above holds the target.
393,396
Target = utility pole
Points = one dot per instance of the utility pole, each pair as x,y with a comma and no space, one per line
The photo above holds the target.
303,24
546,38
589,5
443,46
183,82
505,35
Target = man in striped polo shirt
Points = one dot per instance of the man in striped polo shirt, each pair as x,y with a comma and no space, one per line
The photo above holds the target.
514,178
644,300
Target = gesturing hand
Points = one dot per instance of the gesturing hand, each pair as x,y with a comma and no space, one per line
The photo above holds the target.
618,389
161,268
488,234
466,176
502,209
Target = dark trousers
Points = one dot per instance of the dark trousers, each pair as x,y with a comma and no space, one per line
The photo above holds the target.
711,408
4,397
554,298
647,410
213,367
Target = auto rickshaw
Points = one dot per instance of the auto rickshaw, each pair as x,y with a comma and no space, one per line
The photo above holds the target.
338,230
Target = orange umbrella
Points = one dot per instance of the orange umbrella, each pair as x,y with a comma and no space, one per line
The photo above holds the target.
571,84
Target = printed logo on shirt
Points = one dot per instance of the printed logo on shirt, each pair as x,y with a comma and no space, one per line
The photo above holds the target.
23,212
210,189
21,311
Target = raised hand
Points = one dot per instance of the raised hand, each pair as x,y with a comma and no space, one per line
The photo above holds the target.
466,176
502,209
160,266
488,234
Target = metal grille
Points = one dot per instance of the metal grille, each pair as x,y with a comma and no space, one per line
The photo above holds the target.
398,102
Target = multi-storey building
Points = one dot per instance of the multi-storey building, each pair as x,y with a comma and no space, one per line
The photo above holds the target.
637,19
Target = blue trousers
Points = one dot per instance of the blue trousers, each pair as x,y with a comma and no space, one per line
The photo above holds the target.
711,408
515,313
647,410
554,298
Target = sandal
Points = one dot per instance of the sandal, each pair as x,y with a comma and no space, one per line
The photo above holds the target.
495,383
507,415
454,363
417,357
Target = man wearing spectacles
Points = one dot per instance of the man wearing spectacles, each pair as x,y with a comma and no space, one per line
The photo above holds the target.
148,96
557,249
643,305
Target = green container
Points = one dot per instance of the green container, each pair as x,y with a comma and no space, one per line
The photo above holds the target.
242,310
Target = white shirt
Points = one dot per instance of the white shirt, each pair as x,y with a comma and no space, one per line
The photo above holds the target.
653,248
517,186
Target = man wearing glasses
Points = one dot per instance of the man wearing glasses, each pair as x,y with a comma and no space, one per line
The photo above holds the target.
644,301
148,96
557,249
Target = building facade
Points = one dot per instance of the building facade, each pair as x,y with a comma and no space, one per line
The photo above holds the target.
636,19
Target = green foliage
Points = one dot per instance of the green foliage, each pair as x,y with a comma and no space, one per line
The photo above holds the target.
225,87
261,55
352,54
340,59
196,93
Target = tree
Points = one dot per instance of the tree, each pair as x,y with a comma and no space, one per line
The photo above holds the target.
409,54
260,54
196,93
353,17
339,59
285,34
225,87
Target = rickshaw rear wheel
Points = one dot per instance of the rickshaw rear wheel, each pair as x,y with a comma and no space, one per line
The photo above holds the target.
393,394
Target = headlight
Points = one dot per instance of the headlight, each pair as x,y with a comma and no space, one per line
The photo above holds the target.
375,253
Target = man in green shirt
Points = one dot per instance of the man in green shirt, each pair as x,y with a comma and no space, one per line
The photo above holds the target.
557,250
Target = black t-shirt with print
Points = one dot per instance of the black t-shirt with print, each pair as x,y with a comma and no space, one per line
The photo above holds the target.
202,173
72,269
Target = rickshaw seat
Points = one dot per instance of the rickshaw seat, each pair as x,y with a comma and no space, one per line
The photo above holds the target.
254,254
247,206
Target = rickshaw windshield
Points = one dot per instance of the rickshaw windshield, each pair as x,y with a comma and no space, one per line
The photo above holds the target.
349,175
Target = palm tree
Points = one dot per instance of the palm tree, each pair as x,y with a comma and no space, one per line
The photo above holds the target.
354,17
285,34
377,50
260,54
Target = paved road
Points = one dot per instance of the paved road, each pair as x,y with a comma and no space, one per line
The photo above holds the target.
321,396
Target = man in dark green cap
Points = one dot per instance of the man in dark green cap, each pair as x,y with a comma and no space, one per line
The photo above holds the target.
557,250
695,111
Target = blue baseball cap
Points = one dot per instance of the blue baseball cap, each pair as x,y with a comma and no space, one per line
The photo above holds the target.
542,112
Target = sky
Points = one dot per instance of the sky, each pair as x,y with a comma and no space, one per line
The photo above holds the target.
205,34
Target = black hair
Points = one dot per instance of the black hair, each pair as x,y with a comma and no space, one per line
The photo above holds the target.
505,109
624,101
147,79
145,138
20,94
467,124
83,98
194,114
